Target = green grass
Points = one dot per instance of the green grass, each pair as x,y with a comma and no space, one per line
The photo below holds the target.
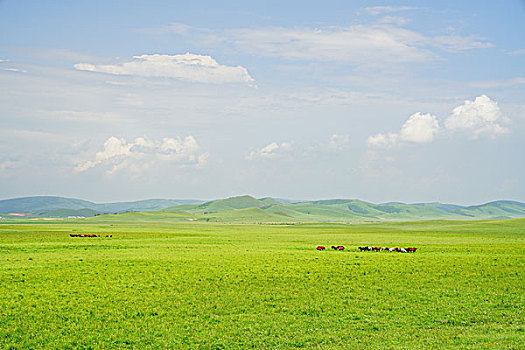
163,282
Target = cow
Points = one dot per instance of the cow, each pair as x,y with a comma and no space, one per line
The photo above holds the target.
318,247
363,248
340,247
411,250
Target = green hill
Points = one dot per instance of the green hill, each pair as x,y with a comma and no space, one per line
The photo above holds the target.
494,210
233,203
248,215
249,209
43,205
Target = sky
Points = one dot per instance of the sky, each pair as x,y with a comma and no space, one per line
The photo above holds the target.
407,101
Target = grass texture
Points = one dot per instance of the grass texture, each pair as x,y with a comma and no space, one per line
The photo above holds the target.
159,284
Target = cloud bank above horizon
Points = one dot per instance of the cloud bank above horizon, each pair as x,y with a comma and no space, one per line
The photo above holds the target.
323,100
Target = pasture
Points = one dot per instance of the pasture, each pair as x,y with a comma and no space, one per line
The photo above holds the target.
161,284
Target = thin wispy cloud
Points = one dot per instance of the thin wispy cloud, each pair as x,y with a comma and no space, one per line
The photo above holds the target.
187,67
379,10
378,44
269,151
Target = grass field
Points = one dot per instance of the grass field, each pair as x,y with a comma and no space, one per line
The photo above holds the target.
161,284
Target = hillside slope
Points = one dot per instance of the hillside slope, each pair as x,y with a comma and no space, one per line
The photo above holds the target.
249,209
59,206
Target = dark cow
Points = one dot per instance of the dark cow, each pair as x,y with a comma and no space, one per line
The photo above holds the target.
320,247
411,250
363,248
340,247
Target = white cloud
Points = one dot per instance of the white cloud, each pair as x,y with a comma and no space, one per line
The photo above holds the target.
419,128
358,44
376,45
382,140
113,149
142,154
368,45
15,70
270,151
378,10
187,67
458,43
400,21
480,117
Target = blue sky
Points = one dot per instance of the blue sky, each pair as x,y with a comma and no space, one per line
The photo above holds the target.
383,101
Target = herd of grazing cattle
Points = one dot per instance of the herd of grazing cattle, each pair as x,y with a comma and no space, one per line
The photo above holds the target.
378,249
339,247
86,235
372,249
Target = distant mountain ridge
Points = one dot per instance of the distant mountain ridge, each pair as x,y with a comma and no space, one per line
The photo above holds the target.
63,207
249,209
343,210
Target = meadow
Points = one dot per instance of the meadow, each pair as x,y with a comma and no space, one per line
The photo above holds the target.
166,284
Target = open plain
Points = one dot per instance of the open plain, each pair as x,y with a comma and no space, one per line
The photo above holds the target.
161,284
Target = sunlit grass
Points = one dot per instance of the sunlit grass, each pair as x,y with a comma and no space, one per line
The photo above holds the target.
210,286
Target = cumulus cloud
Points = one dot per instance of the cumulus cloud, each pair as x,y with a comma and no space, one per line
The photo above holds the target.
419,128
270,151
187,67
142,153
480,117
382,140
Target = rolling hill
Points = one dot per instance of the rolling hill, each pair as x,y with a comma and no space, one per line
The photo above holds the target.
52,206
345,210
264,210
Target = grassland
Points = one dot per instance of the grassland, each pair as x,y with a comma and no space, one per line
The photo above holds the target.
160,283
